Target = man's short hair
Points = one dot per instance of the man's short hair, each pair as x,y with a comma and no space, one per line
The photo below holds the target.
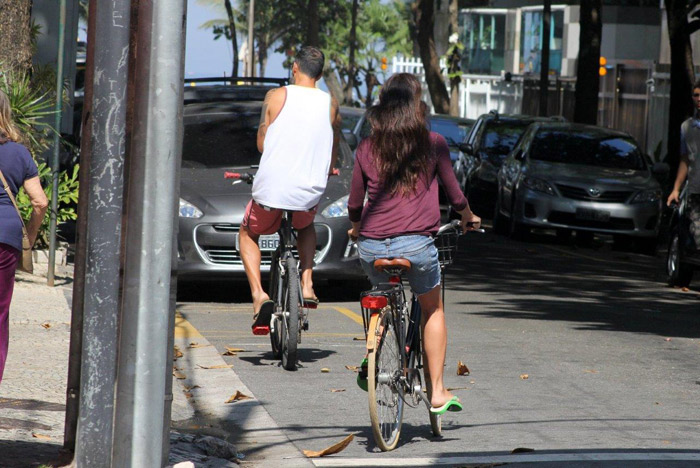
310,61
696,85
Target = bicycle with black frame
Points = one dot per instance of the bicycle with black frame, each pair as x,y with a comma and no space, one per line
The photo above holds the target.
394,344
291,314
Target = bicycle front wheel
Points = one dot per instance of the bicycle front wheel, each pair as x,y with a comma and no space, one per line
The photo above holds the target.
291,314
384,369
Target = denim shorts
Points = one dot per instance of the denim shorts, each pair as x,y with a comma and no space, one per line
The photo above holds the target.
419,250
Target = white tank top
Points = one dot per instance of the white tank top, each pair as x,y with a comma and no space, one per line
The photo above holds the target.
297,151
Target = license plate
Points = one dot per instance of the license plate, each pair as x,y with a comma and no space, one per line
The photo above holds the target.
588,214
267,243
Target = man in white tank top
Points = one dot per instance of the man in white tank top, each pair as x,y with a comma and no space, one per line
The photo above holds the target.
298,138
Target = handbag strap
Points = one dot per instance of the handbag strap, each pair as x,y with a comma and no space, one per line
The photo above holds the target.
12,199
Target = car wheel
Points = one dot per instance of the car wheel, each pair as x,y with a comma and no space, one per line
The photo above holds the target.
500,225
516,230
677,272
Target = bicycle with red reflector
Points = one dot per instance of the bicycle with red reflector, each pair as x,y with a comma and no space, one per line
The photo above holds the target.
394,344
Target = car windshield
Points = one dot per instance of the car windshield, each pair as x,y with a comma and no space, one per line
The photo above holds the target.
586,148
453,131
222,139
350,121
500,137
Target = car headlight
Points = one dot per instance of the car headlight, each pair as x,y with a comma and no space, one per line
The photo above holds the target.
538,185
188,210
647,196
336,209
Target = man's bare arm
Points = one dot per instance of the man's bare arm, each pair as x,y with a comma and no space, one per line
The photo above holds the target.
336,121
264,120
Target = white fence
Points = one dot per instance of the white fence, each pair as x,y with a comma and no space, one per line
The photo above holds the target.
478,93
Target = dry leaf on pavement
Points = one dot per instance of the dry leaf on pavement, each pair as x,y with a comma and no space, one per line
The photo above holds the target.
337,390
522,450
590,371
238,396
179,375
46,325
325,370
36,435
220,366
339,447
197,345
352,368
188,395
462,368
359,338
191,387
449,389
524,376
176,353
232,351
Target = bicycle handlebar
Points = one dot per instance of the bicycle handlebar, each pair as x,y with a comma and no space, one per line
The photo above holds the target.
246,177
455,225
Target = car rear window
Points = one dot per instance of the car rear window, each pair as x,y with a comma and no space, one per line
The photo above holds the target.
221,139
500,137
453,132
589,149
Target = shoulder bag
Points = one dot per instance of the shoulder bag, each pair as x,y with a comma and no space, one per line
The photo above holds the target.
25,264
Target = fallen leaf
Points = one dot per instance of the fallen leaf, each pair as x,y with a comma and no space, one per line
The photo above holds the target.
359,338
522,450
191,387
524,376
472,381
325,370
179,375
46,325
197,345
685,289
188,395
462,368
220,366
36,435
666,442
234,350
667,339
590,371
176,353
352,368
229,353
449,389
339,447
238,396
337,390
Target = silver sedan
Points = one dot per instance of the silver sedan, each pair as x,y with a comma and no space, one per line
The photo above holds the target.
568,176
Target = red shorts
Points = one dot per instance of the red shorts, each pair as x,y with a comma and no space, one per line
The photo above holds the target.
261,220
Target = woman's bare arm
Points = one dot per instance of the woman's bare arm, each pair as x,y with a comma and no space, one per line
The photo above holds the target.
39,203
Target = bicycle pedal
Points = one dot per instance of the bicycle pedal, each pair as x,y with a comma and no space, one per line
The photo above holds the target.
261,330
305,327
310,305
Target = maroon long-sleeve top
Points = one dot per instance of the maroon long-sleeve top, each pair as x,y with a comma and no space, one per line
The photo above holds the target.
387,215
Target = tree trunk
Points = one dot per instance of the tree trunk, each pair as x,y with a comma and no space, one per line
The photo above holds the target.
371,81
454,60
587,75
350,85
313,24
682,77
262,56
425,12
544,53
334,86
234,39
15,37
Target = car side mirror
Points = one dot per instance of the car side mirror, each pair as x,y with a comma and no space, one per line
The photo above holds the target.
351,139
466,148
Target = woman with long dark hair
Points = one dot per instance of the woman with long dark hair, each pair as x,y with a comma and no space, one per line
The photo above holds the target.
397,167
19,170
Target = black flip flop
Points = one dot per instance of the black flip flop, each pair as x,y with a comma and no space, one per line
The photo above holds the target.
261,320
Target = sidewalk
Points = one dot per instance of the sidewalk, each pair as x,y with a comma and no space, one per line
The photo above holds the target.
208,432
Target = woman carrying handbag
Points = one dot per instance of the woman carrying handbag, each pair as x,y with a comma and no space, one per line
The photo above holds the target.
17,169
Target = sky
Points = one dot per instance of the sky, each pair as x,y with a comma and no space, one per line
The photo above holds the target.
205,57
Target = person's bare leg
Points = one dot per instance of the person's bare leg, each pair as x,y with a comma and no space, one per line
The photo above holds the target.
306,245
434,344
250,254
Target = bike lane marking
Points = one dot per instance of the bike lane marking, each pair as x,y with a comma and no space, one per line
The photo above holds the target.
184,329
516,458
357,318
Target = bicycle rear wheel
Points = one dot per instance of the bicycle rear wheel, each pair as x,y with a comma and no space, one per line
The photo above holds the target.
276,328
385,367
291,314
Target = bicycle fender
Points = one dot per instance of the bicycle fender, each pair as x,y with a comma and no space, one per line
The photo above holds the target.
371,336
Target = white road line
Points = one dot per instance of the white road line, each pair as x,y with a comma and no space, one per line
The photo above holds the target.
519,458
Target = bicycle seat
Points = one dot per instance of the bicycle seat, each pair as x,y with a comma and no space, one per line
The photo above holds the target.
392,264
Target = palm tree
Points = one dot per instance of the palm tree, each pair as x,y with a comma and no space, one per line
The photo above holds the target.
15,36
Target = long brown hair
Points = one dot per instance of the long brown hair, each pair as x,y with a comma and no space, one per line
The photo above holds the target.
400,139
8,130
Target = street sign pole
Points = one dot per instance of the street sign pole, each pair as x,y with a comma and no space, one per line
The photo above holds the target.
151,209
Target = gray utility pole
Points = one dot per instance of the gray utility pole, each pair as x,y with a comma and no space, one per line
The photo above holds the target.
100,235
544,54
251,50
151,211
56,141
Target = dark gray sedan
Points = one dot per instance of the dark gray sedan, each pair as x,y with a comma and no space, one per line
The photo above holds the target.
576,177
220,136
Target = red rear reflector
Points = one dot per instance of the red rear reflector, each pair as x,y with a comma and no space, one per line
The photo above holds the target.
395,279
374,302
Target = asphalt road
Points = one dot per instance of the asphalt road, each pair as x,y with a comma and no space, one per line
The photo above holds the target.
574,352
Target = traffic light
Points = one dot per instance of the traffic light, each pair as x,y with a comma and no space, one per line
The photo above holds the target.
602,71
384,65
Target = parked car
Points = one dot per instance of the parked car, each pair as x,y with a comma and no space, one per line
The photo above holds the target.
351,116
489,142
683,256
220,127
579,177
